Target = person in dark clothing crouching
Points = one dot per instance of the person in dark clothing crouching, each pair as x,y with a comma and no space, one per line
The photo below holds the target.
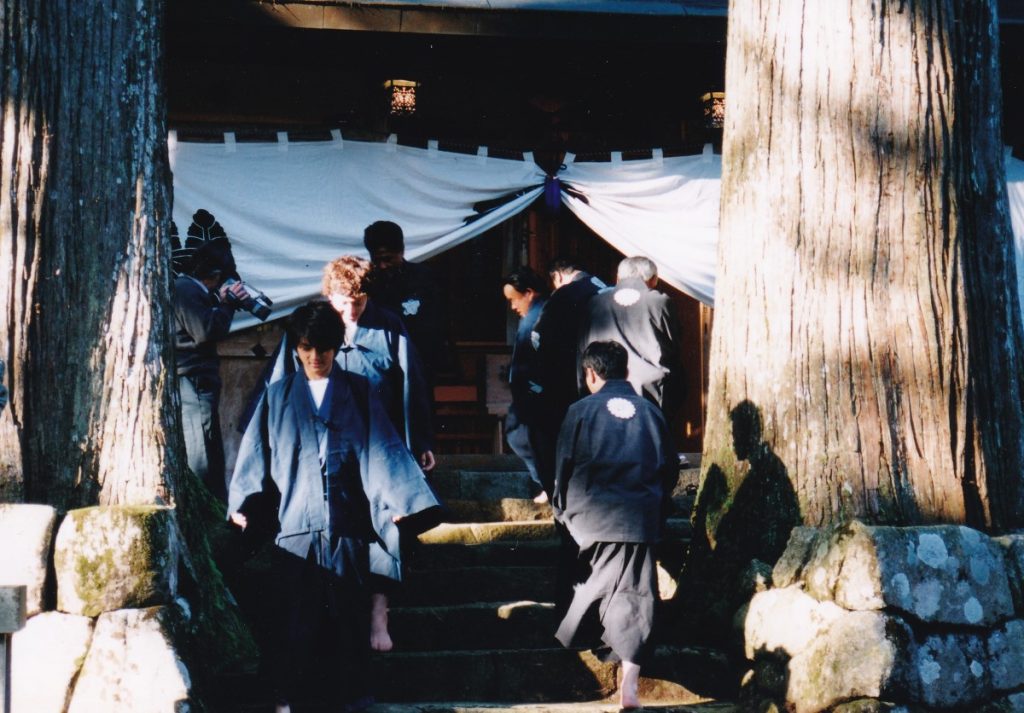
321,443
614,476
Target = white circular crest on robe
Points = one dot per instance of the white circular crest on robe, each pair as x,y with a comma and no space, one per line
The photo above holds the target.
535,339
627,296
621,408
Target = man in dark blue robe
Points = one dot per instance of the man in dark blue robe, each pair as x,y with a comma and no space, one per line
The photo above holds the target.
379,350
321,442
408,290
613,488
644,321
524,425
558,331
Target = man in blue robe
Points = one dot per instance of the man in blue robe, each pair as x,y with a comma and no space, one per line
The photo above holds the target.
644,321
321,442
377,348
613,489
524,426
408,290
558,331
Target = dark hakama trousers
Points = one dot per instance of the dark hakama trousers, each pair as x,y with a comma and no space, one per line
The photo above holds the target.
319,645
614,598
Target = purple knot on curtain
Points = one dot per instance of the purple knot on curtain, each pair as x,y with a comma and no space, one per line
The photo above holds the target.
552,193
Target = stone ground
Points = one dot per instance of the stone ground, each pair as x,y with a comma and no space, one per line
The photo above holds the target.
475,623
585,707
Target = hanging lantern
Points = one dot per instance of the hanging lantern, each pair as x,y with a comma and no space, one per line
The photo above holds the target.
401,96
714,110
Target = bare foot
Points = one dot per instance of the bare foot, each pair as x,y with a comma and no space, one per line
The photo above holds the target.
380,639
629,689
541,499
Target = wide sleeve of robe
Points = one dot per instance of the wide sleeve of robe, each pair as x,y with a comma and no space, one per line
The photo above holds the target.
394,484
251,476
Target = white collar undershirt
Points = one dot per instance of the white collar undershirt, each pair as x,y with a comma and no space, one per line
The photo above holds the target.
318,387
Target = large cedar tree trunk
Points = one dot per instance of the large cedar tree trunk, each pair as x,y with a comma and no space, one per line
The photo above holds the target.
866,357
85,284
84,280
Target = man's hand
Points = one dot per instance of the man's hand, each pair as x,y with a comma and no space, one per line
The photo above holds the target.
236,290
239,519
427,461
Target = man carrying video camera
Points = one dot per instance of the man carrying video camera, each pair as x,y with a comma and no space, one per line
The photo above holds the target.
203,309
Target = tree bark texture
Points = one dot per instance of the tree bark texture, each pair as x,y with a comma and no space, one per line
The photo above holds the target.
867,349
84,260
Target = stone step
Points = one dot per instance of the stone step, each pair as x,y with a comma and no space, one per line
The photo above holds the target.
494,495
545,675
480,462
482,485
515,679
480,533
501,510
461,585
477,625
508,461
584,707
522,553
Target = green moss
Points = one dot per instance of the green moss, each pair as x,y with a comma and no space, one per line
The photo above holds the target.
95,573
219,639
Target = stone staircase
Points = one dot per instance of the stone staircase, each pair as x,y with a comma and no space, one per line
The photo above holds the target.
474,622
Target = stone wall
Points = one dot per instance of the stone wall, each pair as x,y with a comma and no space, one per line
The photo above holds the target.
865,619
106,621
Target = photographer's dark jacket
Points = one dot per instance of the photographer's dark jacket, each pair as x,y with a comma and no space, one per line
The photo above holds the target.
200,321
281,452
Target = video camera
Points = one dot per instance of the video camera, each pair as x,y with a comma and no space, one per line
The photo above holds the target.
207,252
255,302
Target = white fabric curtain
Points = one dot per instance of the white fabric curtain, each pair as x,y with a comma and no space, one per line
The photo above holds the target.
667,209
289,208
664,208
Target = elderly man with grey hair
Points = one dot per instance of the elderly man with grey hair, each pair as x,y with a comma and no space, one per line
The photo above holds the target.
644,321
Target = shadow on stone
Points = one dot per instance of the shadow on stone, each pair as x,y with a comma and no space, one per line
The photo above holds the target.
744,513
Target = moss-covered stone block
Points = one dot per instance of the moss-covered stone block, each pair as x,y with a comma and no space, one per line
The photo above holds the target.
116,557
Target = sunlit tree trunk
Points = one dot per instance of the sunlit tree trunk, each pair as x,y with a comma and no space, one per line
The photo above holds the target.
866,357
85,285
84,201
